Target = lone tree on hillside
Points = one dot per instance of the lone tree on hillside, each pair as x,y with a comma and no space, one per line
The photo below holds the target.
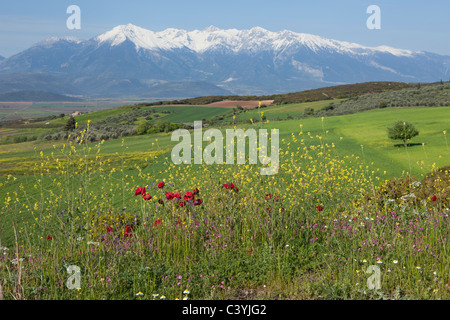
402,130
70,124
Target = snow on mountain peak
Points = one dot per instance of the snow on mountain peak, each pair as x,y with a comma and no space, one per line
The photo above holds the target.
395,51
142,38
254,39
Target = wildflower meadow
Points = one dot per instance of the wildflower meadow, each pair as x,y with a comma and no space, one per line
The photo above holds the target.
85,224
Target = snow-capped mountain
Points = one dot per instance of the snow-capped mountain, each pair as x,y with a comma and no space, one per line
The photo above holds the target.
129,60
253,40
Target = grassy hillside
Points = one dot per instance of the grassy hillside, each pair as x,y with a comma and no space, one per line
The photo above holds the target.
365,128
333,92
431,95
190,114
281,112
108,123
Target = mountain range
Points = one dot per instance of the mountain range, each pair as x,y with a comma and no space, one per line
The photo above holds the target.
132,61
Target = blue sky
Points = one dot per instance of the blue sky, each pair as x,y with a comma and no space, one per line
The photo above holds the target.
416,25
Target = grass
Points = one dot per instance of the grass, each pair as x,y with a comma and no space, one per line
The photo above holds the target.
309,232
426,151
295,110
367,129
192,113
178,114
333,92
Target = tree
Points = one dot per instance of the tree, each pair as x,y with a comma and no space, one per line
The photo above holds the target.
402,130
70,124
142,126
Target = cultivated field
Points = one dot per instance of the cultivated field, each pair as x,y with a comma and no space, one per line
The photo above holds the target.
25,110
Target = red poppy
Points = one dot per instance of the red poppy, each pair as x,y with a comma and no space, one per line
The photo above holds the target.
354,219
109,229
250,251
268,197
128,231
160,201
169,195
197,202
433,198
195,191
139,191
147,196
319,208
177,195
182,204
49,238
161,184
228,185
189,196
157,222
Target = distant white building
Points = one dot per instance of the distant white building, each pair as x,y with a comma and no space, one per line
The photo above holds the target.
76,113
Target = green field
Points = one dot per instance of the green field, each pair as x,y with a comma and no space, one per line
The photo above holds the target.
367,129
177,114
191,113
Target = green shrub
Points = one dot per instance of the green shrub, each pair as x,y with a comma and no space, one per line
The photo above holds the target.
70,124
309,111
143,126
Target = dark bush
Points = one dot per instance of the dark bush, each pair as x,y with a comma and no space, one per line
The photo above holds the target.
309,111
